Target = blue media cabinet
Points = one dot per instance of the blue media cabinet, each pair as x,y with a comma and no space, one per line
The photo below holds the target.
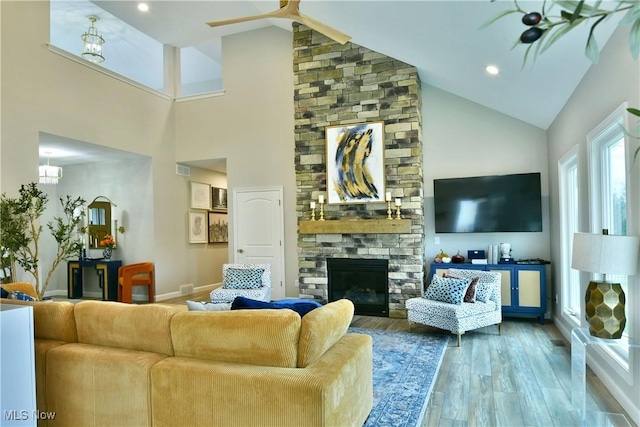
524,286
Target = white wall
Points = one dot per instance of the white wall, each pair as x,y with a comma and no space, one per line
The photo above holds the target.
128,185
462,139
49,93
251,126
604,88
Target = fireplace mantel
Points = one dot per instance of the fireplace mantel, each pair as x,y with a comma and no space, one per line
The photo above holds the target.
356,226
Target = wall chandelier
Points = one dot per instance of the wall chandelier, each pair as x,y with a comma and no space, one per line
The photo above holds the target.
49,174
93,43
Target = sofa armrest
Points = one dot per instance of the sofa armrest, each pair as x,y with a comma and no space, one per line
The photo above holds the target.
346,369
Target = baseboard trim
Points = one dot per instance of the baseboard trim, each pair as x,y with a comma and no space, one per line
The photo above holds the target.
177,294
136,297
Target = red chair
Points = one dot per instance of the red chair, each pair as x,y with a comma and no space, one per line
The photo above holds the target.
140,274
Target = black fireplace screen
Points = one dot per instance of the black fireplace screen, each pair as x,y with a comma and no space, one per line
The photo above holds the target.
363,281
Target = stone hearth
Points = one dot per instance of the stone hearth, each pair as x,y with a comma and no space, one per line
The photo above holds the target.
350,84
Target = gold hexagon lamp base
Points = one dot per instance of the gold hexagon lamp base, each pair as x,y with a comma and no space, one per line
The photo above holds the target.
604,306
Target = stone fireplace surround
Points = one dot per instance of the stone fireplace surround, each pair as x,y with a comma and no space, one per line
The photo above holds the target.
348,84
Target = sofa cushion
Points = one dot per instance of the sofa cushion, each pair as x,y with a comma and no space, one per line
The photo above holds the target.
470,295
322,328
299,305
449,310
254,337
484,288
222,295
126,326
90,385
52,320
447,289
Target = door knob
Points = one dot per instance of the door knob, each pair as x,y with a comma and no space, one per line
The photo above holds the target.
240,251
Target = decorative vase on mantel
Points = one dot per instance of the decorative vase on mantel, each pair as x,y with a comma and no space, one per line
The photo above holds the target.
106,253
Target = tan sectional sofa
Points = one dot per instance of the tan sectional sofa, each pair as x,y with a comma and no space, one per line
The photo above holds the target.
107,363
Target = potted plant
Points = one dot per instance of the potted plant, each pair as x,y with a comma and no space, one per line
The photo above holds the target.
21,230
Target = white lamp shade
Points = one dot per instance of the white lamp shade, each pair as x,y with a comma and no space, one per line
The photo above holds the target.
605,253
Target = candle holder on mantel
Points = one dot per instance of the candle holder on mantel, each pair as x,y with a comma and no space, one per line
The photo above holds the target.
321,201
313,211
398,204
389,209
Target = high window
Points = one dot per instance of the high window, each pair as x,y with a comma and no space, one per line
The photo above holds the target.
131,53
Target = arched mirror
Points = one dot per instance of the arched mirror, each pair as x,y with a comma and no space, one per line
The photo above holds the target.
98,221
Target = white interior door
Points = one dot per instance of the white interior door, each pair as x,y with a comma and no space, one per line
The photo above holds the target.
258,229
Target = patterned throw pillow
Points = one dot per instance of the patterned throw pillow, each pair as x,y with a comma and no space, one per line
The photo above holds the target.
243,278
447,290
483,289
207,306
470,295
21,296
482,292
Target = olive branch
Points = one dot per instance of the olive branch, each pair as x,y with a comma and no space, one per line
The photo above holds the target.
545,29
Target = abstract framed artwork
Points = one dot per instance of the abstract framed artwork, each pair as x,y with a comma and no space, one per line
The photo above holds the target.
218,228
200,195
197,227
355,163
218,199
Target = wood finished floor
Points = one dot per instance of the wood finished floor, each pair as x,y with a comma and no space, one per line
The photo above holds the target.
521,377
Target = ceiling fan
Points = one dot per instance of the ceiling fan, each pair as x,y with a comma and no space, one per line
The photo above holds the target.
290,10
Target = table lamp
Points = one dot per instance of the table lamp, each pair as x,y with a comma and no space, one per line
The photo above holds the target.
604,301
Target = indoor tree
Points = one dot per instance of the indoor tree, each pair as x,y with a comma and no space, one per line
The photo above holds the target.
21,230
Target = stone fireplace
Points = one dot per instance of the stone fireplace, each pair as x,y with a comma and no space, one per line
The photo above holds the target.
350,84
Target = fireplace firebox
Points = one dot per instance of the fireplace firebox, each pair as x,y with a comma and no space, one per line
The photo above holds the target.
363,281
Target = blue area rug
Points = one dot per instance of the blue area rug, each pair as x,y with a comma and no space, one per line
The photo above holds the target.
405,367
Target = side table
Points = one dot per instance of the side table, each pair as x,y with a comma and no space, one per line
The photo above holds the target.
107,271
580,339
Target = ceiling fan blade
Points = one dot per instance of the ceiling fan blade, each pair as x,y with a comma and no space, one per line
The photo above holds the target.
332,33
290,10
276,14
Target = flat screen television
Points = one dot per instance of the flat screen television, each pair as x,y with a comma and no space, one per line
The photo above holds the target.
487,204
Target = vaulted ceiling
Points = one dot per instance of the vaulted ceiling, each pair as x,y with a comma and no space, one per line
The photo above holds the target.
443,39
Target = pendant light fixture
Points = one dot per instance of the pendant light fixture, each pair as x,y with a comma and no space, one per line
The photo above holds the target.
49,174
93,43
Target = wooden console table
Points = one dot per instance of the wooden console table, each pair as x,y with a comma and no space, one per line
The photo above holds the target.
107,272
356,226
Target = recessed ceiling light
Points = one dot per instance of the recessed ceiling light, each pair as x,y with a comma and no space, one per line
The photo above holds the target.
492,69
143,7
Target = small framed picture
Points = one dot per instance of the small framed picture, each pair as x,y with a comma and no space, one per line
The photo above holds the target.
200,195
218,228
218,199
197,227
